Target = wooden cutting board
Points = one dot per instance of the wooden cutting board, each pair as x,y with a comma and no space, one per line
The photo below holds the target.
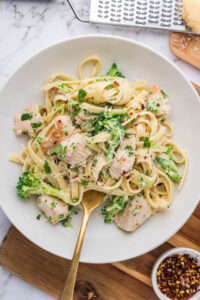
127,280
186,47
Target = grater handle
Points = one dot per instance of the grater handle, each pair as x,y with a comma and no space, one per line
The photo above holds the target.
71,4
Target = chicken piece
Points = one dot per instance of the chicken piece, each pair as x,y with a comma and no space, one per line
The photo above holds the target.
52,208
76,150
62,130
124,159
29,121
158,102
82,118
136,212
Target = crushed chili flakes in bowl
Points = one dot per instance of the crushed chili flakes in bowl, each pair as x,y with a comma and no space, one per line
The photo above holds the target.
178,276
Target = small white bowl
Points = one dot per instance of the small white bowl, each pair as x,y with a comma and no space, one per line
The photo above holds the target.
181,251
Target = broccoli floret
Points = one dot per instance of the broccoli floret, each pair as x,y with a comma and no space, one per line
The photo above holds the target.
115,207
114,71
153,106
117,130
169,167
112,124
30,184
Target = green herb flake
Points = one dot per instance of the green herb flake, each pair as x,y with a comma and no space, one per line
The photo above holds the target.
162,120
61,216
128,147
130,153
25,117
53,204
66,132
84,182
36,125
47,167
59,149
38,217
63,88
147,143
82,94
164,94
39,139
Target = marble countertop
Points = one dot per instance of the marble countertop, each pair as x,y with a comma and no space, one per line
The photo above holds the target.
28,25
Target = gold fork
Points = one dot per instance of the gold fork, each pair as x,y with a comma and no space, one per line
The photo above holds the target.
90,201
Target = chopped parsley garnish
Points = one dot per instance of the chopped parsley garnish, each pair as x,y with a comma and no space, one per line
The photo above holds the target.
128,147
65,132
130,153
61,216
162,120
164,94
82,94
53,204
59,149
25,117
147,143
47,167
63,88
36,125
39,139
38,217
84,182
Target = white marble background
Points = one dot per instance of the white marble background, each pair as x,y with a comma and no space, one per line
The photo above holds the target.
25,27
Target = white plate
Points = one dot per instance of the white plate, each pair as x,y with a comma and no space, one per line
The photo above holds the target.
103,242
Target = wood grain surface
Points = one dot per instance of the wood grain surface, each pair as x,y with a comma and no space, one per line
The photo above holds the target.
127,280
186,47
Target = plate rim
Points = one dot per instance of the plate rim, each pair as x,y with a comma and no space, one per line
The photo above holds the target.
123,39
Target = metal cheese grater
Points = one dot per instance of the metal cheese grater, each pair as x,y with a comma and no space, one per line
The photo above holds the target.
154,14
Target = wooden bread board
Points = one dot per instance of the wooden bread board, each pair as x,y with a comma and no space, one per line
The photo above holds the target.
186,47
127,280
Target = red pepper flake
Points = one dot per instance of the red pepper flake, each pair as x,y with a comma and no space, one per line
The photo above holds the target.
178,276
116,83
44,110
131,113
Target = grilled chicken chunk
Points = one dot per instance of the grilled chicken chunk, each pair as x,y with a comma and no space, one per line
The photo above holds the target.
76,150
136,212
62,130
82,118
158,102
53,209
124,159
29,121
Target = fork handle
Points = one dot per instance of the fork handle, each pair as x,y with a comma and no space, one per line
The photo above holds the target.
68,290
